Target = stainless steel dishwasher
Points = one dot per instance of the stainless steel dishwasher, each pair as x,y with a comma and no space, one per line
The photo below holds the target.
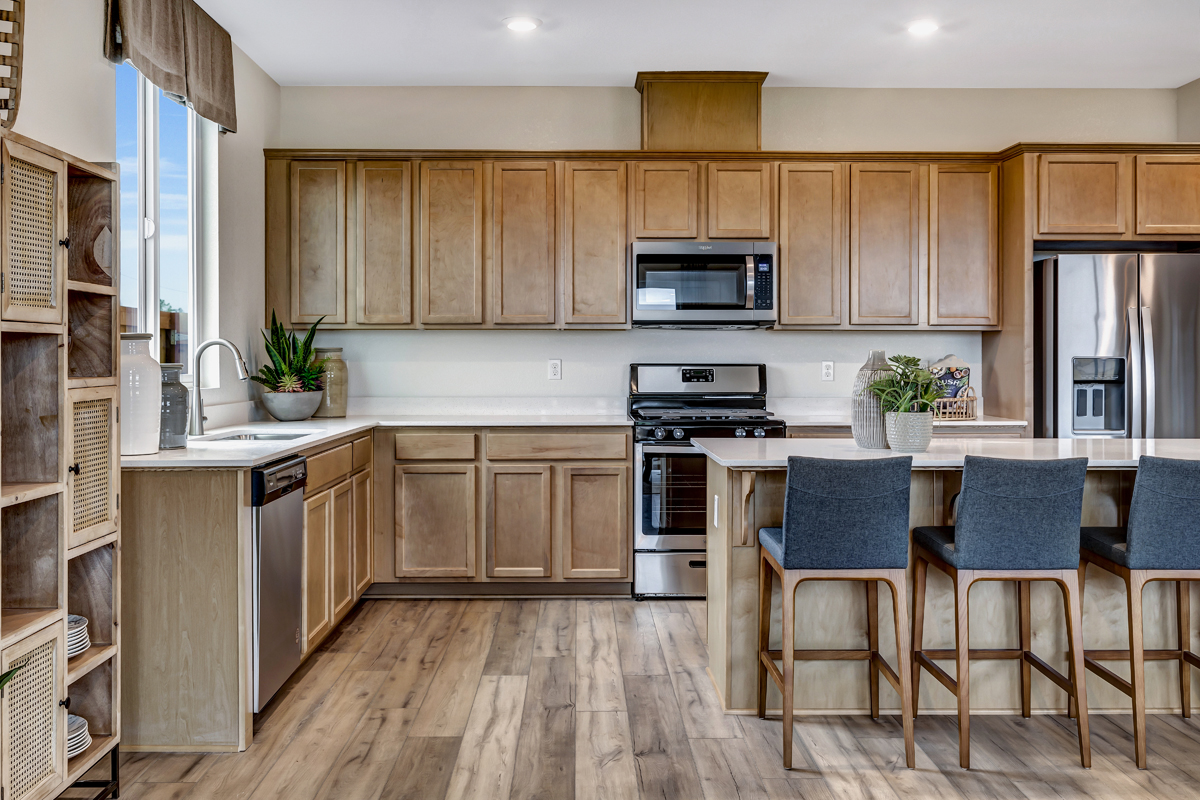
277,497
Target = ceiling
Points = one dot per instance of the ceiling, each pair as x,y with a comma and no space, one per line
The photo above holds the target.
848,43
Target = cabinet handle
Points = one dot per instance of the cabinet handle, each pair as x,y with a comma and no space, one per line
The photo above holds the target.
698,564
75,469
65,242
65,703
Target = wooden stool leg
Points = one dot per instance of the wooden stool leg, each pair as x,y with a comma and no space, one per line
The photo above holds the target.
765,575
1072,600
1026,645
904,668
920,568
1183,599
789,663
1137,666
962,658
873,642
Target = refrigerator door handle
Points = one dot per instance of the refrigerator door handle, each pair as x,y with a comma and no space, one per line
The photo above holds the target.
1148,349
1135,374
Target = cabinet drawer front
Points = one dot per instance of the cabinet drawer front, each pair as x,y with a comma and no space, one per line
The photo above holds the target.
329,466
435,446
508,446
362,452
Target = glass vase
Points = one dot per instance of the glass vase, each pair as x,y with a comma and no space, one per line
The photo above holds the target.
334,378
173,422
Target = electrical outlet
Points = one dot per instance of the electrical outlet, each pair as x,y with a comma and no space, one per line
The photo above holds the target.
554,369
826,370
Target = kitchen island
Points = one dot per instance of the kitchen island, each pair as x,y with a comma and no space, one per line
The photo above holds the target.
746,480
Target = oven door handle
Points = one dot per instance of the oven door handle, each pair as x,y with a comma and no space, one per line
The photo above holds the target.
667,449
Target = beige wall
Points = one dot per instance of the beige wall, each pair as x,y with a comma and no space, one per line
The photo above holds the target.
1188,99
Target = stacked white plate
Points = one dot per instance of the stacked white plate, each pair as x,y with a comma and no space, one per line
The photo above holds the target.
78,737
77,635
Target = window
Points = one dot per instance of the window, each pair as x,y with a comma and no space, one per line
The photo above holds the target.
160,144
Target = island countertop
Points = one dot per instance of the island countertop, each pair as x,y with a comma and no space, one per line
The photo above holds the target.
757,454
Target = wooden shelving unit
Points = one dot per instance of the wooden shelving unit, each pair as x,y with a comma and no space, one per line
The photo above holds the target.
59,462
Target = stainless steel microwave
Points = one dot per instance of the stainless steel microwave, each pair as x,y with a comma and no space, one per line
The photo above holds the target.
704,284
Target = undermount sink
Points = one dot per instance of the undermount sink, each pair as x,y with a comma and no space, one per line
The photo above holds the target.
259,437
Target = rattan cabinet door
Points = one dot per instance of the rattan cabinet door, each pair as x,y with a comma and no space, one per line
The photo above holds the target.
34,725
33,254
92,477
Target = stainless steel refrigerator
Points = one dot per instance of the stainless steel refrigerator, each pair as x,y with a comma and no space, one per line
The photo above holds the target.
1117,345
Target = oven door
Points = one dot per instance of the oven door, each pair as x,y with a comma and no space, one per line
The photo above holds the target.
670,497
710,289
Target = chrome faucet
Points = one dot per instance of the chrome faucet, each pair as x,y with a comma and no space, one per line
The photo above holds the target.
196,423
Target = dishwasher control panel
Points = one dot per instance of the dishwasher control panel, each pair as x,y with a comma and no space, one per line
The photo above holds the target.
276,480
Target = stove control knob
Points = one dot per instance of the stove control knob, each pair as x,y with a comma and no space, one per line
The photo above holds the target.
740,433
759,433
678,433
660,433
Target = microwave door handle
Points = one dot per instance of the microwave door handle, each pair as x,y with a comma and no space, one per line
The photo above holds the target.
1135,374
750,282
1148,350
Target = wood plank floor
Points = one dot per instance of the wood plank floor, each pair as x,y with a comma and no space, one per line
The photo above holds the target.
610,699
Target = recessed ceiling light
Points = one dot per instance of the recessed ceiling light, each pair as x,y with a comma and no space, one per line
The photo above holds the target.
923,27
522,24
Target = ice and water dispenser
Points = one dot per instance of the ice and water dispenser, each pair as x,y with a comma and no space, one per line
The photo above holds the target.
1098,395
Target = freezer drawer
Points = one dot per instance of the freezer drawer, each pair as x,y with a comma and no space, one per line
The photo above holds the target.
675,574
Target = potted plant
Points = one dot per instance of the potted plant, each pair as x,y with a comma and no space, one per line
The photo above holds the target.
907,398
291,383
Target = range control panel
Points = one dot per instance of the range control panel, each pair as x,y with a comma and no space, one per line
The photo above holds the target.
764,284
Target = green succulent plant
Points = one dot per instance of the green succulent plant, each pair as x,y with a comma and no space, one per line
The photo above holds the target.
908,387
294,366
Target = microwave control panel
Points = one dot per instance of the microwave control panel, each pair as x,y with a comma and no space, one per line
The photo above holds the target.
764,284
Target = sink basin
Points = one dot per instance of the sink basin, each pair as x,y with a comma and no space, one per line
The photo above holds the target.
259,437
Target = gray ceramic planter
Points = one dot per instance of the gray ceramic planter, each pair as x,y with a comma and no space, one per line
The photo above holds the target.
291,406
909,432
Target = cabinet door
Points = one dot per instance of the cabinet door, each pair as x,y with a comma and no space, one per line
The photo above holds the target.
518,521
94,461
595,524
739,200
435,521
316,619
1081,193
384,251
452,242
523,230
964,272
665,199
341,552
364,540
812,243
884,217
34,723
593,242
34,191
1168,194
318,245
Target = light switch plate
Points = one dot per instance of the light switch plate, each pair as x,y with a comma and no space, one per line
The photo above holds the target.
826,370
554,369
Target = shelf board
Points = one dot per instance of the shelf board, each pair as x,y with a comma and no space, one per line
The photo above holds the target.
81,763
90,383
88,660
17,623
90,288
50,328
13,493
94,544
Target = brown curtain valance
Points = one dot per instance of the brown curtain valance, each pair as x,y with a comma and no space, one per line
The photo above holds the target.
180,49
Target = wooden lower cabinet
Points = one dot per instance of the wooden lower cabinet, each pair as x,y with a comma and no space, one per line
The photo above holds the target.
341,549
316,620
364,540
518,523
33,731
595,522
435,520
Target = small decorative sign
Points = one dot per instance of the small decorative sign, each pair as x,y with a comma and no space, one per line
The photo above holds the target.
953,374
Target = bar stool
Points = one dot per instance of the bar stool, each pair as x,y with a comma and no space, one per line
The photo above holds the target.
842,521
1016,521
1161,542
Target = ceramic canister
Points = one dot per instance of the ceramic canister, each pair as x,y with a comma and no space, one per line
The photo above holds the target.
141,396
334,377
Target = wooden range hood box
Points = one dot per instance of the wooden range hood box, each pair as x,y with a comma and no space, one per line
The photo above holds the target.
690,111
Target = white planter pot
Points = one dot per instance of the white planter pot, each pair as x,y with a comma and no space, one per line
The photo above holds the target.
909,431
291,406
141,396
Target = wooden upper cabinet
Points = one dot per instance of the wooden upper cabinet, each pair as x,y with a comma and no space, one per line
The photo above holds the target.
884,246
1168,194
739,200
435,521
518,521
666,195
523,214
595,522
593,242
452,242
34,259
964,273
384,251
318,241
1080,193
812,243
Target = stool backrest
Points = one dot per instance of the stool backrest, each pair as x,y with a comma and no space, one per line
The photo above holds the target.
1019,514
846,514
1164,515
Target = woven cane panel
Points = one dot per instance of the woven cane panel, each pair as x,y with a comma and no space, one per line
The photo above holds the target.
93,454
31,235
31,707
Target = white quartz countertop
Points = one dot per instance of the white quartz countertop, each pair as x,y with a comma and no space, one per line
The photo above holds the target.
838,420
208,452
949,453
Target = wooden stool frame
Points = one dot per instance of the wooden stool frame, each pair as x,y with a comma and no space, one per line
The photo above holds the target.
785,679
959,686
1135,689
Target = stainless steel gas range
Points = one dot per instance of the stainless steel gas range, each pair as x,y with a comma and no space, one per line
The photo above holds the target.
671,404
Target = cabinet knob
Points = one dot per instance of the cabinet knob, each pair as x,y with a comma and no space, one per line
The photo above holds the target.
65,242
65,703
75,469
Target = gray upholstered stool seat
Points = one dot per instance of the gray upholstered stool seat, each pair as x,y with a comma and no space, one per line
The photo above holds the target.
1107,542
842,520
939,540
